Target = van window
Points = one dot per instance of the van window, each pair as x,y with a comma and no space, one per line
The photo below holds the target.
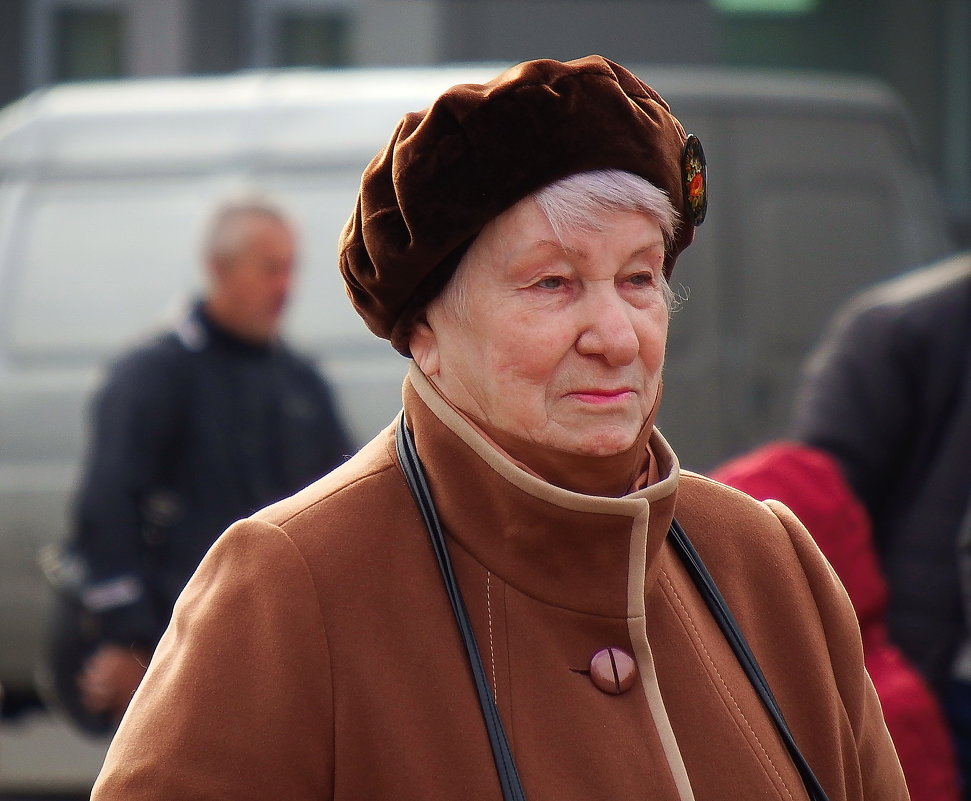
89,43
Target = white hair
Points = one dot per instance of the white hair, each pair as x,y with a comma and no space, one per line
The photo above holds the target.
581,202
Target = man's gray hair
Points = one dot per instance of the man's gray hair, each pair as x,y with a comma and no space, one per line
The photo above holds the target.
225,229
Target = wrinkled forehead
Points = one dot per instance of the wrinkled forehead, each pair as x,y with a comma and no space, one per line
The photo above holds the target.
524,234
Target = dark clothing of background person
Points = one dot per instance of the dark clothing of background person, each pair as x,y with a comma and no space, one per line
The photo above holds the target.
190,432
889,395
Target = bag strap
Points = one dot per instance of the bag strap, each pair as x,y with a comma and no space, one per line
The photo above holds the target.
512,789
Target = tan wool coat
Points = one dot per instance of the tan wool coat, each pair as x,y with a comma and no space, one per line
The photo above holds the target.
314,654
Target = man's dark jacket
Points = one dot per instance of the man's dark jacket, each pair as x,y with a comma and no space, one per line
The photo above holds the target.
889,394
190,432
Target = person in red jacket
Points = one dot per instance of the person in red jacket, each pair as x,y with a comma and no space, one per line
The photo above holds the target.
810,482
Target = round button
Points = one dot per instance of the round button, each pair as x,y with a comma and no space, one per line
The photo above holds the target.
613,671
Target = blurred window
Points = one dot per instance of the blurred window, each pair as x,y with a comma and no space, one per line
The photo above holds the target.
317,38
766,6
88,43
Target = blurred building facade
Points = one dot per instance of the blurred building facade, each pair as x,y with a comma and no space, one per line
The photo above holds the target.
921,49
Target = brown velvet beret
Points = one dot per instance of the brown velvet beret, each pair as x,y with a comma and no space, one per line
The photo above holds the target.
479,149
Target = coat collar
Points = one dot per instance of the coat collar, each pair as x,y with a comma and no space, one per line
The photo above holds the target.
565,548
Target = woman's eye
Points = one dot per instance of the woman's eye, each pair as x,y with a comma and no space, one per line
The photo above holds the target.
641,279
551,282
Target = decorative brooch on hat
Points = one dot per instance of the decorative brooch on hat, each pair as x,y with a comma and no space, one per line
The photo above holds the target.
694,178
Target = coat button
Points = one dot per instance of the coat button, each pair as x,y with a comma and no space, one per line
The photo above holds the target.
613,670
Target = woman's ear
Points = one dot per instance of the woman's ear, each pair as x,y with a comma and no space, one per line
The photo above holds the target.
423,344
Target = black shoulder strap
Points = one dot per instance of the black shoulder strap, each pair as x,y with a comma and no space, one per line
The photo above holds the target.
512,789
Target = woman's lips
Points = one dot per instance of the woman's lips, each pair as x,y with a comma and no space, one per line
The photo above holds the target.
603,397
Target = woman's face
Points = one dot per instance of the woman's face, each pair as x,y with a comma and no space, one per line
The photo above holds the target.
561,341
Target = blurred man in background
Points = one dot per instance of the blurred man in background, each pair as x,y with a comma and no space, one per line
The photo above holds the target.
200,426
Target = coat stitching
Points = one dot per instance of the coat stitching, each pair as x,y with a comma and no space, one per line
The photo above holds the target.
699,643
492,649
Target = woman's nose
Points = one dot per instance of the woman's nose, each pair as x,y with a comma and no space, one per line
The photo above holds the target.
608,330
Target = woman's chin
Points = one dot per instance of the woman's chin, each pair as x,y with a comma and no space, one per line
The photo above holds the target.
606,443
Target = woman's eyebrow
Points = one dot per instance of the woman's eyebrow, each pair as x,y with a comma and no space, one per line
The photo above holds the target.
650,246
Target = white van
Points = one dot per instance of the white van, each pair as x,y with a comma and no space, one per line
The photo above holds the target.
815,190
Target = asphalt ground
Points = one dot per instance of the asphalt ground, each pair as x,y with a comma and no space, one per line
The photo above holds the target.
43,759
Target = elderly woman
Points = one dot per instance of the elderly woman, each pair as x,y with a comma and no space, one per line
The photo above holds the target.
494,598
